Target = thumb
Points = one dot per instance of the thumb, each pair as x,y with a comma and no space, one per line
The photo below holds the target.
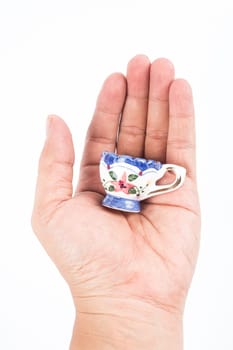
54,182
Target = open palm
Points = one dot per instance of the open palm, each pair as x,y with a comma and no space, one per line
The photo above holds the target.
104,253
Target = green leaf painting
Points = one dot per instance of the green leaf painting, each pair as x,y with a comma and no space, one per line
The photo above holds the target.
113,175
132,190
132,177
111,188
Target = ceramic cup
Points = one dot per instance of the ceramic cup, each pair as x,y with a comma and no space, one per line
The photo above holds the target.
128,180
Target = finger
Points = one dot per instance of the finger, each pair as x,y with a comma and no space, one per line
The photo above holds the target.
133,122
103,129
161,76
55,173
181,133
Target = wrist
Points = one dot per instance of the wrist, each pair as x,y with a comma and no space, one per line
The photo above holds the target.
125,325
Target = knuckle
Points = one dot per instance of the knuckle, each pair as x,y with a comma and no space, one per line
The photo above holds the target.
132,130
180,144
181,115
157,135
105,140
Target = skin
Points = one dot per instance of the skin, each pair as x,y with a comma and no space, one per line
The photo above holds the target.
129,274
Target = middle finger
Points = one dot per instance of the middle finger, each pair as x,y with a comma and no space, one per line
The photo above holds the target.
133,122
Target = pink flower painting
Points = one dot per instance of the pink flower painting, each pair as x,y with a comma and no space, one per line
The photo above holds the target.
122,185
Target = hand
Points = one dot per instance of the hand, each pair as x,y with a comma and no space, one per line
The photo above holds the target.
129,274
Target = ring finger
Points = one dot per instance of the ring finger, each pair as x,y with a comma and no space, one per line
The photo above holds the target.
133,122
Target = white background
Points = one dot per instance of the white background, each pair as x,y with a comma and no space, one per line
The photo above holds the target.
54,56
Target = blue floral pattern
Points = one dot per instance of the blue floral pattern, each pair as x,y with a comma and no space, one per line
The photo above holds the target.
140,163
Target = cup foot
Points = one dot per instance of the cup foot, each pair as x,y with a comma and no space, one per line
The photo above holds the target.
122,204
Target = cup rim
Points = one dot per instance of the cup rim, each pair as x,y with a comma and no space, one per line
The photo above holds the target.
110,158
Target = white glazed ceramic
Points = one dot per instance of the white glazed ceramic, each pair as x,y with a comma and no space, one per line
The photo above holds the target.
128,180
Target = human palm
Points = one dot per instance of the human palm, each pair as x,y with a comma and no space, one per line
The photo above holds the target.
104,253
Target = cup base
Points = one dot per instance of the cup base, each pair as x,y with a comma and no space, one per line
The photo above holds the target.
122,204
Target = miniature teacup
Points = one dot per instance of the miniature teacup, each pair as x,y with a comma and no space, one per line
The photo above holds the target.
128,180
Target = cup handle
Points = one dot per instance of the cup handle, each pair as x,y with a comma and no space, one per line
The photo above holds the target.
179,172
